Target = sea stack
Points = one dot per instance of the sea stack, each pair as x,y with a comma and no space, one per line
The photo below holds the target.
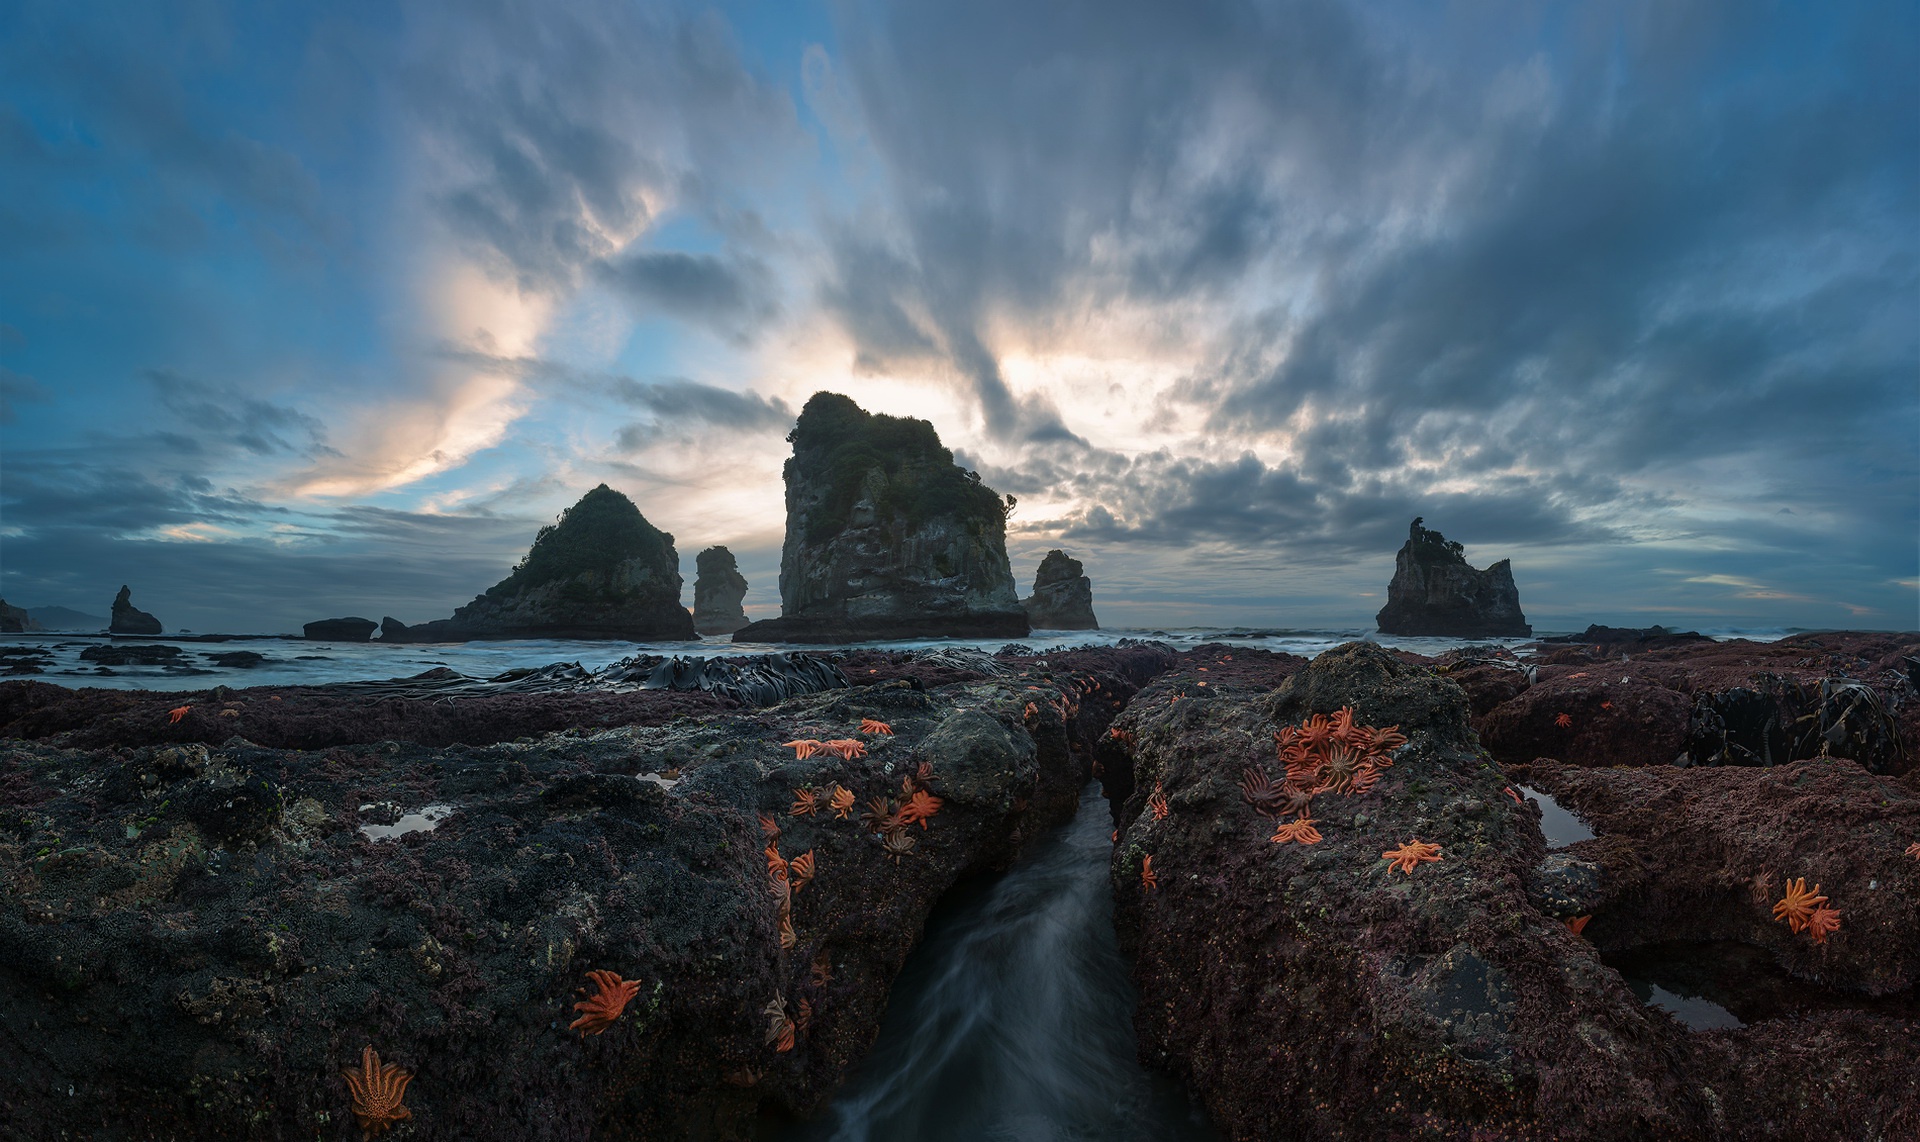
1062,595
599,571
129,619
718,588
1435,591
886,536
15,620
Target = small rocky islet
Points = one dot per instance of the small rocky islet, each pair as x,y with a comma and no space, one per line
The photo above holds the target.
664,903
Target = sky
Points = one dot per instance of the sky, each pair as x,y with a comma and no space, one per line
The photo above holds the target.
311,310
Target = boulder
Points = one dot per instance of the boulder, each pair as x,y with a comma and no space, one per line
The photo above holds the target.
1062,596
129,619
237,659
139,654
15,620
341,630
886,536
392,629
718,588
1435,591
600,571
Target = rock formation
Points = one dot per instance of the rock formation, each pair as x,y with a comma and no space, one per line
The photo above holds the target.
392,629
129,619
15,620
718,588
1062,595
599,571
341,630
1435,591
886,536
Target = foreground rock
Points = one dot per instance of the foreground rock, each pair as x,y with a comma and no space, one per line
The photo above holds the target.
1311,990
886,536
1435,591
129,619
217,932
341,630
1062,596
600,571
718,588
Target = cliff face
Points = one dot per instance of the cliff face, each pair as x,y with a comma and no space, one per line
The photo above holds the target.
718,588
600,571
1062,595
886,536
129,619
15,619
1435,591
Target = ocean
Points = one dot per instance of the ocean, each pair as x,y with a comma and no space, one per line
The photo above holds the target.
294,661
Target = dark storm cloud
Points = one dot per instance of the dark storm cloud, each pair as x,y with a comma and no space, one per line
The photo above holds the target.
731,296
15,388
558,118
676,399
225,414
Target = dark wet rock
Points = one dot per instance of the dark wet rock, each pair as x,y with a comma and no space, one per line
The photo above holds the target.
129,619
601,571
134,654
1301,990
1629,640
222,907
237,659
886,536
341,630
1703,854
1062,596
1612,717
718,588
15,620
1434,591
18,660
392,629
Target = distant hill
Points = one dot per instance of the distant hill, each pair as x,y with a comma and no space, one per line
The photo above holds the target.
66,618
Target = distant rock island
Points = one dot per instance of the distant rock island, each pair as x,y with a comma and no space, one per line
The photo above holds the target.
1062,595
129,619
886,536
600,571
1435,591
718,588
15,620
341,630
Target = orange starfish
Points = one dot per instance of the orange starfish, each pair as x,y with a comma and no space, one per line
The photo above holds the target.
1301,830
377,1089
841,802
776,867
1578,924
768,825
1821,922
805,803
822,973
1509,792
1158,803
787,938
610,997
1410,854
1563,720
1606,705
919,807
779,1027
803,748
1148,881
848,748
875,726
800,870
1913,850
1030,711
1798,904
174,715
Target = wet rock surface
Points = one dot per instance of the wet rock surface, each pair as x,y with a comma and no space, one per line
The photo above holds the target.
214,933
1308,990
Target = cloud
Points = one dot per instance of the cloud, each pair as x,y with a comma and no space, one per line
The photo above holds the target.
257,426
15,388
731,296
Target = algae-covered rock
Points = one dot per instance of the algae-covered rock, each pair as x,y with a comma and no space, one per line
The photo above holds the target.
886,536
599,571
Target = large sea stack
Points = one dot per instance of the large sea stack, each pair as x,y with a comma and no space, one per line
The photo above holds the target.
600,571
1435,591
886,536
129,619
718,588
1062,595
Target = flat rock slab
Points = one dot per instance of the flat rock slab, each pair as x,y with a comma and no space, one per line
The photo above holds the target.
1311,991
200,937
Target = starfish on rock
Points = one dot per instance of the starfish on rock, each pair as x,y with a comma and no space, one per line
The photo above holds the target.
1410,854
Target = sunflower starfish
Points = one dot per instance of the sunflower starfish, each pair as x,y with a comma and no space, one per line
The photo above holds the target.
805,803
800,870
1798,905
1301,830
769,826
1410,854
610,997
1913,850
896,844
779,1027
1157,803
174,715
1148,880
919,807
822,972
841,802
1563,720
377,1089
847,748
875,726
803,748
1821,922
1578,924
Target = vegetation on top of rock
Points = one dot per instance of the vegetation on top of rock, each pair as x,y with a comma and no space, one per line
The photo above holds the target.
599,533
844,441
1429,546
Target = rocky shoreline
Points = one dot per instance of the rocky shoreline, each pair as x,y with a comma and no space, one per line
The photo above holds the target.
211,914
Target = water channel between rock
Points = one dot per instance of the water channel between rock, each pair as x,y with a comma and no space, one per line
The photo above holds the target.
1013,1020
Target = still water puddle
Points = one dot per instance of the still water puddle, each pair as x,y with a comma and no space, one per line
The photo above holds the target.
422,820
1713,984
1561,827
